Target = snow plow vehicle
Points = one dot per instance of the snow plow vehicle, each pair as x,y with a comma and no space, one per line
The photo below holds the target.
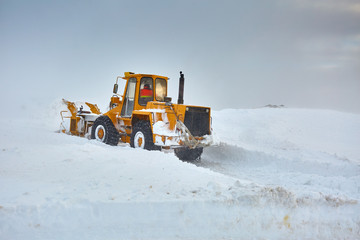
144,117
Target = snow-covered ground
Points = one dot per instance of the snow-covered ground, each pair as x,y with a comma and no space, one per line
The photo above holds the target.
271,174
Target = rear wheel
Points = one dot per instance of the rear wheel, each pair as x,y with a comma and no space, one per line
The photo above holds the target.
188,154
104,131
141,136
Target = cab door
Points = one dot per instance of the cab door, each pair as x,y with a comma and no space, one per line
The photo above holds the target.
129,99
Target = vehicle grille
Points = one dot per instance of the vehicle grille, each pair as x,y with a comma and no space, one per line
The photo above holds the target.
197,120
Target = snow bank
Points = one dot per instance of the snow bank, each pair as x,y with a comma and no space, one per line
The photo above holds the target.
281,131
273,174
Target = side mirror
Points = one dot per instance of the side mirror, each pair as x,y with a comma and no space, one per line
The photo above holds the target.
167,99
115,88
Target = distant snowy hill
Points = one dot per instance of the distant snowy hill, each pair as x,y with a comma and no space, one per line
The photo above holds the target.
273,173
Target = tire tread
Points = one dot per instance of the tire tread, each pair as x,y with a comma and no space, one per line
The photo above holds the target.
112,135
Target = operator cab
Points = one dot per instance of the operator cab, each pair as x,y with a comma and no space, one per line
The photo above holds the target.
141,89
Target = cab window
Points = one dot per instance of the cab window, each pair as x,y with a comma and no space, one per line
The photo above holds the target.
146,91
161,89
128,105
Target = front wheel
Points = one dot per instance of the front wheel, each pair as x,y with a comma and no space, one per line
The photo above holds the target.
188,154
104,131
141,136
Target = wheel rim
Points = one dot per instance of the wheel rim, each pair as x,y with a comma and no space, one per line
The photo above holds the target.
100,133
139,140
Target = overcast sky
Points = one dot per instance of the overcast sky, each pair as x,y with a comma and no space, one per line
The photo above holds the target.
234,54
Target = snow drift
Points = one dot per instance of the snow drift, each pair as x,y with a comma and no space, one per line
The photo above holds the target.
272,174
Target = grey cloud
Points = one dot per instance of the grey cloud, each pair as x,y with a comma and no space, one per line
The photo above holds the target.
233,53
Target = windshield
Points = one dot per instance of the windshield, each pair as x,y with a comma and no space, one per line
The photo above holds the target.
160,89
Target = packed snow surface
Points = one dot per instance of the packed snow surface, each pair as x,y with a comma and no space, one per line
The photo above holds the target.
271,174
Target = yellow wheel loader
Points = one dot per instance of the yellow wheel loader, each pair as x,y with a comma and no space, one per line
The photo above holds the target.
145,117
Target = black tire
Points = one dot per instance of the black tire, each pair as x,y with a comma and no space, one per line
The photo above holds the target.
188,154
142,137
104,130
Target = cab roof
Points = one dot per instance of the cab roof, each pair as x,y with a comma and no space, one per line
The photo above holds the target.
128,75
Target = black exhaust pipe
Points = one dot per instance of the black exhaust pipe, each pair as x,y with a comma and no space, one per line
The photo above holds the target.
181,89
